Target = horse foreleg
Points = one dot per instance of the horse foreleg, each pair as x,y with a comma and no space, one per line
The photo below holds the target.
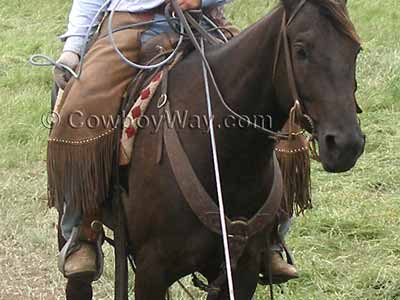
245,279
150,286
150,281
78,290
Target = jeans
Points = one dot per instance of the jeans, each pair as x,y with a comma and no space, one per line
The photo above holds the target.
69,220
283,230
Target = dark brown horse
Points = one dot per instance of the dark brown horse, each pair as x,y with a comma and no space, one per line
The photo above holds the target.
169,241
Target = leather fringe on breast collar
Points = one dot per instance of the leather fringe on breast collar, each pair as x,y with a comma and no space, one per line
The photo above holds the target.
294,161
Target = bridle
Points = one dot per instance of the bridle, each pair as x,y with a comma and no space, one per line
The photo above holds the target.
298,104
283,38
305,121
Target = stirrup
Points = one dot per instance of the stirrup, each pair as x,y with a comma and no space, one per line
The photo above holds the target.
73,244
288,253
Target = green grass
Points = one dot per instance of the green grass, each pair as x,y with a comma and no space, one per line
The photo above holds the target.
347,247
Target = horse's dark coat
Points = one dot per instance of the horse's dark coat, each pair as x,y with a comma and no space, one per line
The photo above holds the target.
168,240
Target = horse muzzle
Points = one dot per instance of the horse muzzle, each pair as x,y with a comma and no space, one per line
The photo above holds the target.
339,151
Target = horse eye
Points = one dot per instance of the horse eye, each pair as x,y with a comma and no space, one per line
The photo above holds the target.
301,53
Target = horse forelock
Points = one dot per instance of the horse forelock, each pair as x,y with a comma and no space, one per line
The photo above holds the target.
336,11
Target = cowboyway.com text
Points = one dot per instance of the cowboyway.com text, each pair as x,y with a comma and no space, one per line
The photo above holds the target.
174,119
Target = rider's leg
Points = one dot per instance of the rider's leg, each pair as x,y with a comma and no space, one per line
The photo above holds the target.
283,230
279,267
102,83
70,218
81,262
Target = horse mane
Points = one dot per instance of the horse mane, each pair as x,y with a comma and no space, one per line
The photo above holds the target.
336,11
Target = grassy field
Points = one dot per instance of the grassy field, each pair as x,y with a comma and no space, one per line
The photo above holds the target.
347,247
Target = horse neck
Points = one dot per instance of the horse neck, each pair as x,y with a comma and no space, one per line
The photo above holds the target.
244,70
244,67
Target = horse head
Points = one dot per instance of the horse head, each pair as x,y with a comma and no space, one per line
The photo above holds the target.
323,46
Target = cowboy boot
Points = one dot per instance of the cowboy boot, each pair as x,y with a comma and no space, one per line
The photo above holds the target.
82,263
82,257
281,270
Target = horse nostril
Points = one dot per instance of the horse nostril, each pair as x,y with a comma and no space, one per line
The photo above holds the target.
344,142
330,141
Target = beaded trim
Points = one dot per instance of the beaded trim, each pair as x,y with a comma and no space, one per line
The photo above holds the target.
85,141
302,149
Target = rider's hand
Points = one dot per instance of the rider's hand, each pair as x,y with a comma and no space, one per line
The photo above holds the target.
188,4
61,77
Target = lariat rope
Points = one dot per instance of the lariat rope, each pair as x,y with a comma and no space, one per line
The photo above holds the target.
41,60
218,180
207,73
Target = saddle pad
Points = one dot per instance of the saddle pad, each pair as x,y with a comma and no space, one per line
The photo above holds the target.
132,119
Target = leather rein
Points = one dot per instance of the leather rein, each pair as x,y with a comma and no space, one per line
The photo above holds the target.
240,230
